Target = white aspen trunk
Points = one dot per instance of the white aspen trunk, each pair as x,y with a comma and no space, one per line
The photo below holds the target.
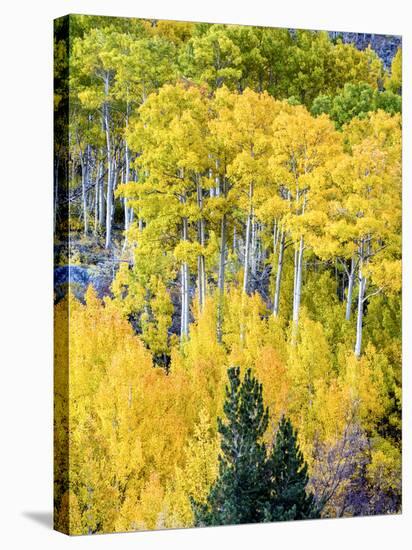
187,299
212,189
222,266
90,199
126,217
234,240
109,206
275,236
361,295
221,277
183,299
114,183
115,173
124,180
126,177
295,259
184,325
203,278
276,300
351,280
126,152
260,251
200,280
83,162
96,198
253,246
109,197
246,254
186,294
102,212
138,213
222,258
296,305
247,240
295,272
298,276
201,238
217,179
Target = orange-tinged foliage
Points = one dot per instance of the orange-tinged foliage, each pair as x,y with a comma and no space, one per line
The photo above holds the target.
142,442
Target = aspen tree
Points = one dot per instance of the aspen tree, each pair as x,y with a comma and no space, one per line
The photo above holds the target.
370,176
301,147
173,125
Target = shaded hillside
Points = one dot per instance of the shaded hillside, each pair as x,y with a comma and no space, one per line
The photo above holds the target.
385,45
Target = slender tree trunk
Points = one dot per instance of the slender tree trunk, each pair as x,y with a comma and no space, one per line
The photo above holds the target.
351,280
222,266
112,202
276,300
298,277
298,282
234,240
361,295
102,201
109,207
125,205
295,272
276,236
246,254
126,177
260,251
126,217
221,276
109,197
84,166
253,249
183,301
186,293
184,324
96,198
247,240
201,269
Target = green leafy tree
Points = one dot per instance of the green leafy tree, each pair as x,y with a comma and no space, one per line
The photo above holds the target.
393,82
212,58
356,100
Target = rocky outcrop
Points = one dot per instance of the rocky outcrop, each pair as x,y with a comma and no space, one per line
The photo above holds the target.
385,45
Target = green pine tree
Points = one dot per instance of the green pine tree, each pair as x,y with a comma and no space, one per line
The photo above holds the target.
289,477
240,493
253,487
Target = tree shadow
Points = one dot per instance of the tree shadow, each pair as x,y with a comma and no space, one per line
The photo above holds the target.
42,518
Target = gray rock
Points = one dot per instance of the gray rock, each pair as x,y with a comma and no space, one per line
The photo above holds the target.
385,45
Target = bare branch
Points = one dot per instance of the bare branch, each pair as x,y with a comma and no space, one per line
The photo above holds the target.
378,291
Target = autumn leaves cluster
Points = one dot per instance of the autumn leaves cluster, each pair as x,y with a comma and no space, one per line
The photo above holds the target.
235,182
